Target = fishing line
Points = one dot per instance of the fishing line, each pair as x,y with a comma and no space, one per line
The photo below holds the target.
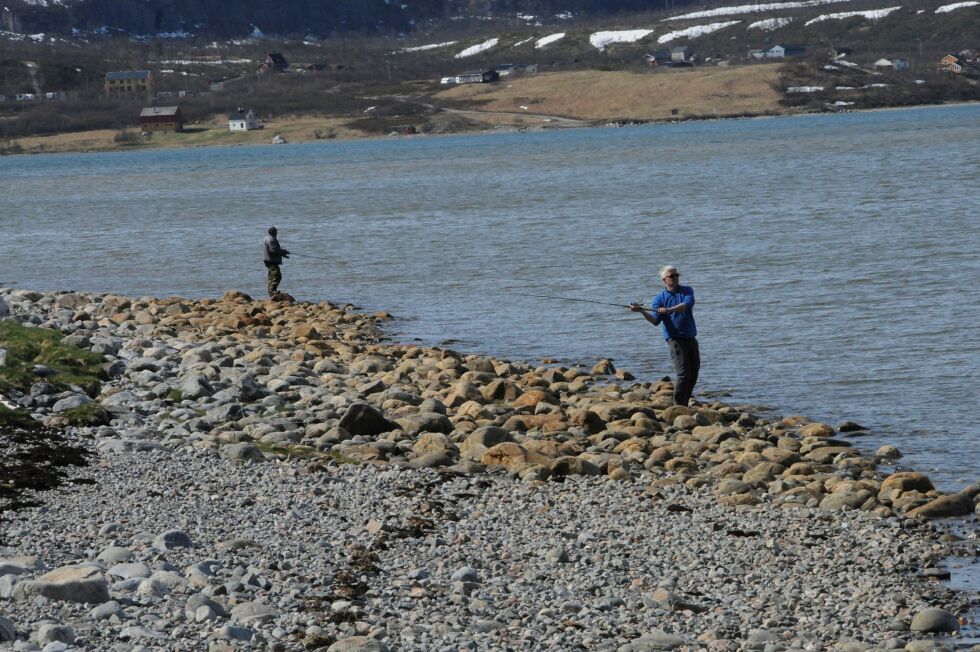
294,253
548,296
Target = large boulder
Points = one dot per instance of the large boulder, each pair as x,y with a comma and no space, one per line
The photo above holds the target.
898,483
507,454
763,472
358,644
614,411
425,422
934,620
67,584
501,390
196,386
242,452
481,439
569,465
70,403
225,413
959,504
840,499
432,442
253,613
365,419
173,539
532,397
817,430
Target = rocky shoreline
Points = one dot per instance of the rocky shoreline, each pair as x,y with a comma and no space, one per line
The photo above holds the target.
276,475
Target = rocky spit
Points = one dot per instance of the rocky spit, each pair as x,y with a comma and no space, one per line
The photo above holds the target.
278,476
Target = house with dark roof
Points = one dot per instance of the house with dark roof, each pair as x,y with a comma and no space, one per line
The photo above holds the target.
657,58
274,62
243,120
128,82
477,77
161,118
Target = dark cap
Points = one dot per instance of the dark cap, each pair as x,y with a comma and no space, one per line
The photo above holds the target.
273,230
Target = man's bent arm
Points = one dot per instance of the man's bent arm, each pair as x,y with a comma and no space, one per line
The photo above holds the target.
653,319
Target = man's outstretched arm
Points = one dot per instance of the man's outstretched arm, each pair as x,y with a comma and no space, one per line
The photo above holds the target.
653,319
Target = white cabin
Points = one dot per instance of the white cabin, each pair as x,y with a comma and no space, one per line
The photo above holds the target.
243,120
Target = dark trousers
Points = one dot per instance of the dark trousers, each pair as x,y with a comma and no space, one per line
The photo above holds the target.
686,356
275,277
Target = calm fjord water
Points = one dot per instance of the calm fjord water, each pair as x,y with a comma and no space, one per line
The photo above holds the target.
834,258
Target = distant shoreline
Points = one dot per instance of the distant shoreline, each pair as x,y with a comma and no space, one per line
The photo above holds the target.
101,141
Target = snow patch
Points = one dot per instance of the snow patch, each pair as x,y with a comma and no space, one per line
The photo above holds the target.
600,40
873,14
945,9
770,24
804,89
430,46
200,62
520,43
547,40
478,48
696,31
753,9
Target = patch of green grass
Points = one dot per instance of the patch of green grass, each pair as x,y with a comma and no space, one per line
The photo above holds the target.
175,395
27,347
303,452
16,418
90,414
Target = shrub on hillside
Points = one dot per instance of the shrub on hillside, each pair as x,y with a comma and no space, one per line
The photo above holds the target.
126,137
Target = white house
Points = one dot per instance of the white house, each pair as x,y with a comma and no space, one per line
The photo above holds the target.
896,64
243,120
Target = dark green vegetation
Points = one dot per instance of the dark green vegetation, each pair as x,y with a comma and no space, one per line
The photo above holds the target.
35,458
28,347
15,418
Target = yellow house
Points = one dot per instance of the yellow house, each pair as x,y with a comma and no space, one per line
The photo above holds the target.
129,82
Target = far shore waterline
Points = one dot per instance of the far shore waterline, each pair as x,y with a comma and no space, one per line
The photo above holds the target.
508,129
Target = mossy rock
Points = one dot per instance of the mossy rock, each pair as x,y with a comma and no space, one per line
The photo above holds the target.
304,452
90,414
16,418
27,347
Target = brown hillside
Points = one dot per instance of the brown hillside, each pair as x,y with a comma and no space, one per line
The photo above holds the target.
607,95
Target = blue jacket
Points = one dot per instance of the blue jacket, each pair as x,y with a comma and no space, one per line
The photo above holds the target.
677,325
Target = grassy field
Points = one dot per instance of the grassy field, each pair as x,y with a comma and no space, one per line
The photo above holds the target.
624,95
211,133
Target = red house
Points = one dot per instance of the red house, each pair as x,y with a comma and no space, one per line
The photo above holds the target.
161,118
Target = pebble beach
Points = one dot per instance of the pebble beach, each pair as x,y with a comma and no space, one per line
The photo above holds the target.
275,475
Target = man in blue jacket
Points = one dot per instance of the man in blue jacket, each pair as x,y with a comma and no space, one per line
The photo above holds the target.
272,258
673,308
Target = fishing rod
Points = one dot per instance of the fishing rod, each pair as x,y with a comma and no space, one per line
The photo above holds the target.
548,296
293,253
